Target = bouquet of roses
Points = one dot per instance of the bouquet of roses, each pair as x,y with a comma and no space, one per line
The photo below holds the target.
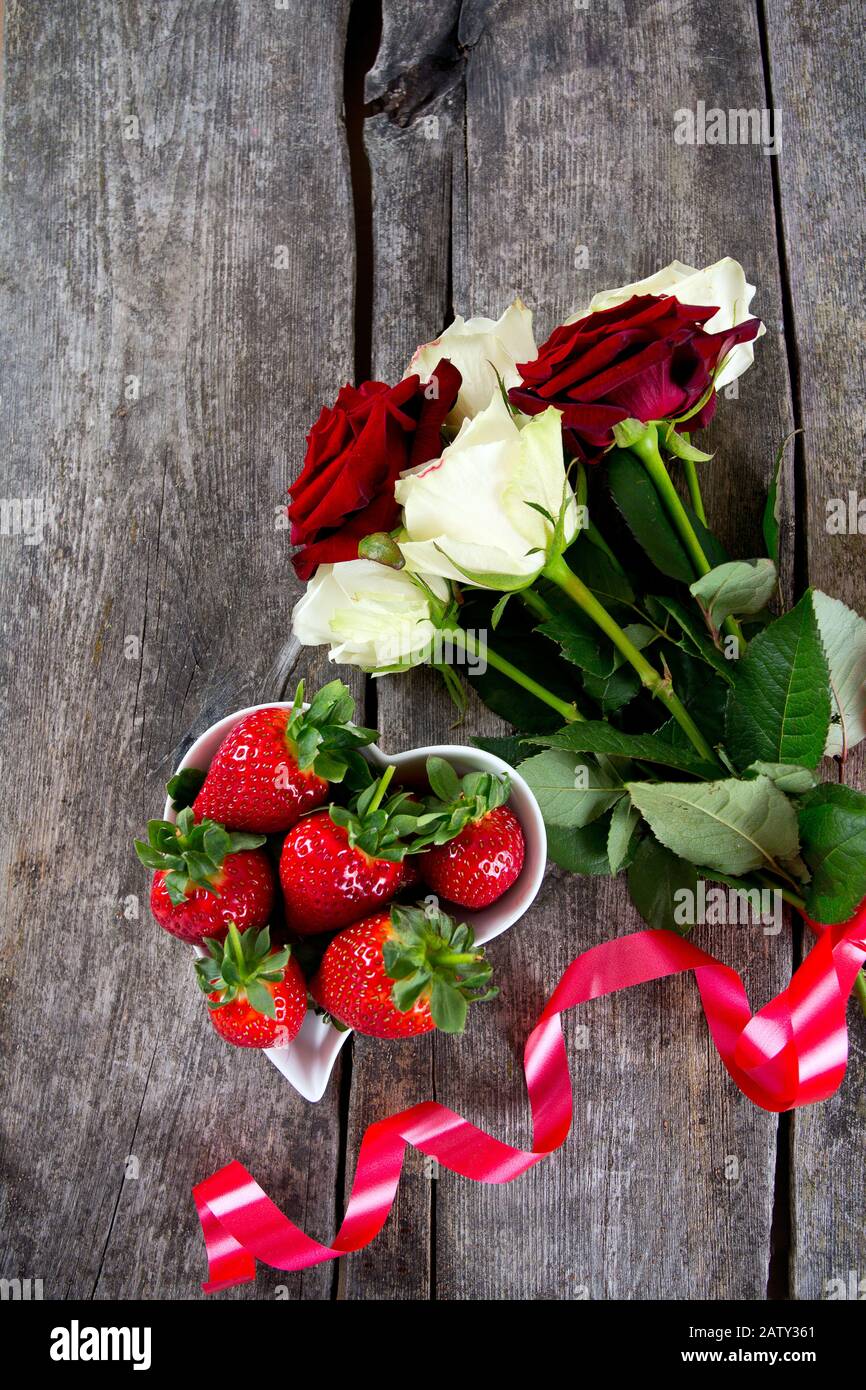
508,515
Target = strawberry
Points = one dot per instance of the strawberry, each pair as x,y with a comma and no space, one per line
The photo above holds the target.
276,763
477,844
401,973
257,995
206,877
343,862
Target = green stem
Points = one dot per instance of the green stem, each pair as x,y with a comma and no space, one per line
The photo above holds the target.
558,571
536,604
456,958
464,639
237,949
793,898
694,487
647,450
381,790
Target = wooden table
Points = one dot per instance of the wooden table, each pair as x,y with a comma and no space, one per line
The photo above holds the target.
210,222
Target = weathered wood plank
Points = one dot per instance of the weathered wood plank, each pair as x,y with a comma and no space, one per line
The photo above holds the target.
173,315
816,64
155,254
569,139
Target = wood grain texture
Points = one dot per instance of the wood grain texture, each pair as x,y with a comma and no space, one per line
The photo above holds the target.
816,64
177,263
412,137
160,595
560,157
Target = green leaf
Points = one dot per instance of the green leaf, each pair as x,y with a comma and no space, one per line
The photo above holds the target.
262,944
600,573
740,587
695,640
779,708
594,736
260,997
581,643
833,834
710,543
175,885
730,825
628,432
678,444
511,749
242,839
788,777
409,984
184,786
495,579
702,691
151,858
498,610
330,766
843,636
581,851
654,876
623,822
448,1007
218,843
569,790
528,651
635,495
443,780
542,511
615,691
323,737
201,869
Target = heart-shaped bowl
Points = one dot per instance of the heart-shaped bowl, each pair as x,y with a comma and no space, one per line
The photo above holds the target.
308,1061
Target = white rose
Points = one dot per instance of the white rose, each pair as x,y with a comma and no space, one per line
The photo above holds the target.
370,615
479,348
723,284
467,516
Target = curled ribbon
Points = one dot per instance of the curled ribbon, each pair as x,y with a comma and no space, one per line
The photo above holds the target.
793,1052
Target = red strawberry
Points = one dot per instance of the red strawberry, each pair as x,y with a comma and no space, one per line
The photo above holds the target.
257,995
277,763
478,847
340,863
479,864
206,877
401,973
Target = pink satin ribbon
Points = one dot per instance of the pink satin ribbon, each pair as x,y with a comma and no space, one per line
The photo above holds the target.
793,1052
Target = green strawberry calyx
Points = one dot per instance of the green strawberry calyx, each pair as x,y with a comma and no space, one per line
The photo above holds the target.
428,954
184,787
457,801
322,738
241,967
191,853
381,826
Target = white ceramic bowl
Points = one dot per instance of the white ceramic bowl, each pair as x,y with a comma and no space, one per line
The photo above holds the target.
308,1061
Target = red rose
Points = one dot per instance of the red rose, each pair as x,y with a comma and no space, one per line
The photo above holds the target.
647,359
356,450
